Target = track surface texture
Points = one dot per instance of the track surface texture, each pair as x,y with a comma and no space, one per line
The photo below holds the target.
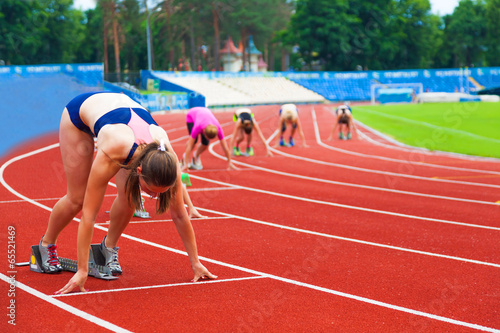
341,236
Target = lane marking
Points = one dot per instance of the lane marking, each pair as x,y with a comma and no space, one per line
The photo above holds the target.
468,177
77,312
322,289
145,221
315,233
306,285
354,240
160,286
43,199
348,152
386,173
208,189
202,189
333,204
333,182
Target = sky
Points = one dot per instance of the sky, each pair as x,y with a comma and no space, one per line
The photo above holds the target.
443,7
440,7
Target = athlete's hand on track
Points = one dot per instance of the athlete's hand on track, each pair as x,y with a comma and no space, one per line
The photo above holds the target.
78,280
201,273
231,166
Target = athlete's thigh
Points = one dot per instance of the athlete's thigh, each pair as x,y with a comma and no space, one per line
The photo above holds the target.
239,134
77,152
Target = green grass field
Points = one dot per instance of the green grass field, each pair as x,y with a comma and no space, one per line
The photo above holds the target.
466,128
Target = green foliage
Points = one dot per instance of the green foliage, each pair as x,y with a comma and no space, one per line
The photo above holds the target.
492,44
39,31
315,34
466,33
383,34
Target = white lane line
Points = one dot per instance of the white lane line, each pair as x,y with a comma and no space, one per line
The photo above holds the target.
77,312
386,173
145,221
280,226
353,240
44,199
290,281
417,163
160,286
322,289
326,181
209,189
203,189
327,203
343,166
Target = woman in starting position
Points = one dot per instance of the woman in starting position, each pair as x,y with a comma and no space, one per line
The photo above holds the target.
130,147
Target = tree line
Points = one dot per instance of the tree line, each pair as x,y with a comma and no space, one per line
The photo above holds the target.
304,35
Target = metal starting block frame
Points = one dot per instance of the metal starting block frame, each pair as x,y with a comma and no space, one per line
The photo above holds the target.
97,265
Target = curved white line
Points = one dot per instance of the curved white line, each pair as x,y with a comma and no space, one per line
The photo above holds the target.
66,307
382,158
333,182
334,204
286,280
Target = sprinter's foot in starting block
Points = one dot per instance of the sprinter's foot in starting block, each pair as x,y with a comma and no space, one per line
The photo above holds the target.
97,266
142,214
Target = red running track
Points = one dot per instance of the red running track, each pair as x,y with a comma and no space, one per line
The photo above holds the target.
343,236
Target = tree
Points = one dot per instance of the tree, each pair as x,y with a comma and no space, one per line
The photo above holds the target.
466,33
261,19
111,17
39,31
322,30
416,32
492,23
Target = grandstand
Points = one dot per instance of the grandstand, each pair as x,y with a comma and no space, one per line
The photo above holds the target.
224,91
35,95
356,86
216,93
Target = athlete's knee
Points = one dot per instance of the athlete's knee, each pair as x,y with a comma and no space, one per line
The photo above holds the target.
75,203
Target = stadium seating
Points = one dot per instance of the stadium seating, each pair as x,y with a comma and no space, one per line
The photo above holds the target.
225,91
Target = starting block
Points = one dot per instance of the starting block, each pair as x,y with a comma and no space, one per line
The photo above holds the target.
142,214
97,267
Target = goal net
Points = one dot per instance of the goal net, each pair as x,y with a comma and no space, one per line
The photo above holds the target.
395,92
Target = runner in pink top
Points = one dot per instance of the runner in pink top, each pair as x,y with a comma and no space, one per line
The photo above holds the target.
201,117
202,122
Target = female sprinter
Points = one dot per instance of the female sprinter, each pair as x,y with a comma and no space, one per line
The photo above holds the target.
344,122
289,116
201,122
245,123
130,147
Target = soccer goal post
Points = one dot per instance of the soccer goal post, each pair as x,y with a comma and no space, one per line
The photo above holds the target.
395,92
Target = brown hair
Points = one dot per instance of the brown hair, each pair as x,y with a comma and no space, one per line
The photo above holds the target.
159,168
211,131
